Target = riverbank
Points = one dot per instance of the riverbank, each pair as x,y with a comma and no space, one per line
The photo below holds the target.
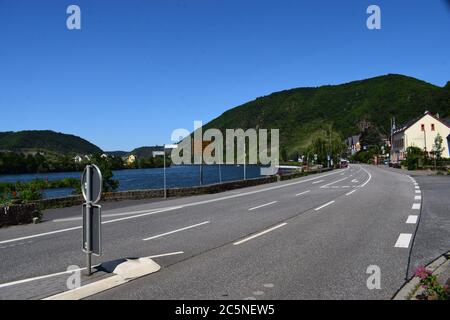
149,194
173,192
143,179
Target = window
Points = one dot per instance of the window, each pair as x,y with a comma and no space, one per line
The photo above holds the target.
422,127
432,127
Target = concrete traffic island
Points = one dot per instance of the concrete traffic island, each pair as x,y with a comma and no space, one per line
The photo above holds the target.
122,271
415,290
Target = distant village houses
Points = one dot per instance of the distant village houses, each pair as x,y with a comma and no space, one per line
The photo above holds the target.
130,159
78,159
353,144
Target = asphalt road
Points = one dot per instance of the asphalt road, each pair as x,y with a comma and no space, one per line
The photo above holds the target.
308,238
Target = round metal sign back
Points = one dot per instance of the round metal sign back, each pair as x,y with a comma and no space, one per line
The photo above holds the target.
95,188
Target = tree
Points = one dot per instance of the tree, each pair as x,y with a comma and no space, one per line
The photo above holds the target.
105,166
438,148
414,156
370,137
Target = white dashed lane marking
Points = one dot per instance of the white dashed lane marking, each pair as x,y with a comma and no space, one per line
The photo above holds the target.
324,205
263,205
416,206
403,240
417,197
412,219
175,231
259,234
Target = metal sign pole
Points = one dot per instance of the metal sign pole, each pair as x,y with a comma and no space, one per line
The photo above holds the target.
88,219
165,185
91,188
245,172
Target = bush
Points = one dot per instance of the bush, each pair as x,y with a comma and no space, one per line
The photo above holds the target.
30,194
412,163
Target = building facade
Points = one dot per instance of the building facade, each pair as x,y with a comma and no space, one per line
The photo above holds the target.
420,133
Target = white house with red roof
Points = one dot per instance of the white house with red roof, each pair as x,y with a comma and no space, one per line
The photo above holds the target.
420,132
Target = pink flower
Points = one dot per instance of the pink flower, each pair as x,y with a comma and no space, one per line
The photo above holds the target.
422,272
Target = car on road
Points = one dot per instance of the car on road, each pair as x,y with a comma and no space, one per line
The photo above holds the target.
394,165
343,163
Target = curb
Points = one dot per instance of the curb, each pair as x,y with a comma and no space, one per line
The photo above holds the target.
410,288
123,273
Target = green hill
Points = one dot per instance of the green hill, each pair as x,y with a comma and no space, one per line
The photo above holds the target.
145,152
45,140
305,113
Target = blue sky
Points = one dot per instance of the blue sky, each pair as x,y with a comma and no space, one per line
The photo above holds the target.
139,69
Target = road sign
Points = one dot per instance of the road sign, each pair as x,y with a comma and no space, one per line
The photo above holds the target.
158,153
94,212
95,184
171,146
91,187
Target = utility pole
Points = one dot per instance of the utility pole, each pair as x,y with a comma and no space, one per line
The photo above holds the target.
329,149
390,139
245,160
165,185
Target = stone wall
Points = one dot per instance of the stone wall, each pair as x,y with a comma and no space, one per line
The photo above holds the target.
18,214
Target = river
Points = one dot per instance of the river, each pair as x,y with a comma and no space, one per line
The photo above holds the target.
133,179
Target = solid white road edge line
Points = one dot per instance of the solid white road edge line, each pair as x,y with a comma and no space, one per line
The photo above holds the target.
40,235
174,231
403,240
324,205
110,215
4,285
259,234
79,227
263,205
